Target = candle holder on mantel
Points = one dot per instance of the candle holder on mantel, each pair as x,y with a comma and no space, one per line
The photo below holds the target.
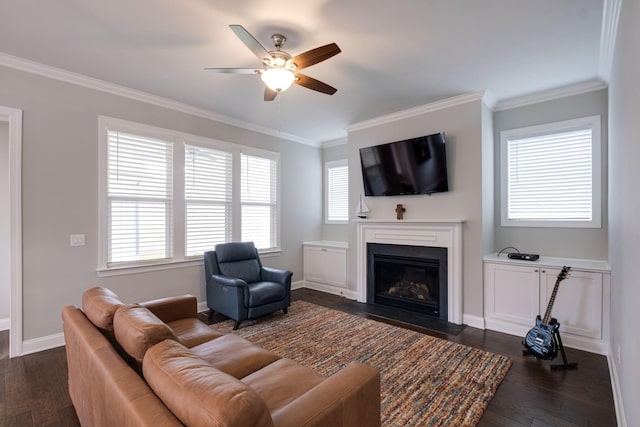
400,210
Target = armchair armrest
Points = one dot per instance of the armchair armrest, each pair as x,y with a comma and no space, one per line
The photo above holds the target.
270,274
228,281
350,397
173,308
242,289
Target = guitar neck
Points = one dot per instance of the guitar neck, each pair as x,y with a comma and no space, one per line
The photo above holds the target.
547,314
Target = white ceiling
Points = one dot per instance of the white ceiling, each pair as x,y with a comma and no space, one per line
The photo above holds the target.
395,55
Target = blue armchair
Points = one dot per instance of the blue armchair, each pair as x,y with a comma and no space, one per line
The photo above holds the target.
240,287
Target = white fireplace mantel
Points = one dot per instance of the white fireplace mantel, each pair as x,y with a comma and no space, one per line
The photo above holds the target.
434,233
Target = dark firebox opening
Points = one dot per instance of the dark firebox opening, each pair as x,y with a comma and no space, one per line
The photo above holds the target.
409,277
407,283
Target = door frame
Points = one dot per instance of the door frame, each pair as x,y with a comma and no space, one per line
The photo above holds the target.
14,118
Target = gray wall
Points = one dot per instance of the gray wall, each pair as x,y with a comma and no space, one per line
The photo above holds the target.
588,243
462,125
60,194
5,241
624,206
336,232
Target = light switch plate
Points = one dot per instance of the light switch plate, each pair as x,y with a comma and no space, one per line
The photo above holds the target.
77,240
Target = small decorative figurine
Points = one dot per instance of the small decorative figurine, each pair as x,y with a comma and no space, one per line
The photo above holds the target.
400,211
362,210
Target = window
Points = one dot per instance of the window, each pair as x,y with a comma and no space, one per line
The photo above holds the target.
259,200
139,198
208,198
166,197
551,175
336,192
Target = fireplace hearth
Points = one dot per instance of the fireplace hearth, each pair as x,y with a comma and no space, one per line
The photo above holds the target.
409,277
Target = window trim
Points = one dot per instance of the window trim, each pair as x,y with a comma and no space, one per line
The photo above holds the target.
592,122
328,165
179,141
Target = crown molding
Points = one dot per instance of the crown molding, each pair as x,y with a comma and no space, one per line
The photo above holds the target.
416,111
335,143
610,19
137,95
489,100
548,95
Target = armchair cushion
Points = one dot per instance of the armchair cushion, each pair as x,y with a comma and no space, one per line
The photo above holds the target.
239,260
261,293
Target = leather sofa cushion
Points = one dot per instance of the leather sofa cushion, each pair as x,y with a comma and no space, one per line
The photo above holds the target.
137,329
100,305
235,355
282,382
199,394
192,331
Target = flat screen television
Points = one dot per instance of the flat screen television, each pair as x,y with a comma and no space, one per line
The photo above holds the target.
412,166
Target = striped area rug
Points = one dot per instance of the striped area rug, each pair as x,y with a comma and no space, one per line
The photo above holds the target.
425,381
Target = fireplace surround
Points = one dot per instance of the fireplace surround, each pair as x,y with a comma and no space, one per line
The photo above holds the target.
428,233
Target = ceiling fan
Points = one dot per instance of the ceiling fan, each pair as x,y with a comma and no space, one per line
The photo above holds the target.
280,69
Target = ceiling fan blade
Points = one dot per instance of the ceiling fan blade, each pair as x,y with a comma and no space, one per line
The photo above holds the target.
250,41
313,84
269,95
233,70
313,56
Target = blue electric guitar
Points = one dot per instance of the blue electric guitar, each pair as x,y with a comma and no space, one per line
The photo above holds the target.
541,340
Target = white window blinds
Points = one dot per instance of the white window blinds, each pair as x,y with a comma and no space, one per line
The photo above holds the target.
551,175
259,201
140,198
337,194
208,199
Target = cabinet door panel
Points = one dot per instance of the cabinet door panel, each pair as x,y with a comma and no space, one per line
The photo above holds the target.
314,264
512,293
336,267
578,304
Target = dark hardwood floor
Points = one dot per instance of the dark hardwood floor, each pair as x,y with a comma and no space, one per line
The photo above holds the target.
33,389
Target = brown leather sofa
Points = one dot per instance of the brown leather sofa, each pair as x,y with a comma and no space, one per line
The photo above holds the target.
156,364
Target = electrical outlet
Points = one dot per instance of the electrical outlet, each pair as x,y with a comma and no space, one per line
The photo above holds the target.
77,240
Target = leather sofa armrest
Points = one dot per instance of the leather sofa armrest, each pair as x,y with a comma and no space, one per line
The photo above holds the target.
270,274
350,397
173,308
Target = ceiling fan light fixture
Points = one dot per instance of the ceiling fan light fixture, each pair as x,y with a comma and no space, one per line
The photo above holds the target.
278,79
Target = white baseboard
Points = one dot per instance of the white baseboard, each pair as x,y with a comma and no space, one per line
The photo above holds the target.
615,387
299,284
473,321
202,306
347,293
43,343
591,345
5,324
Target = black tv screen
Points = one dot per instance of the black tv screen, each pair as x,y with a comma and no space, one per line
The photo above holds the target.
411,166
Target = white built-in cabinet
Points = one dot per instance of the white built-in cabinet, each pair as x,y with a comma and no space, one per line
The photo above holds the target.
325,266
515,292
